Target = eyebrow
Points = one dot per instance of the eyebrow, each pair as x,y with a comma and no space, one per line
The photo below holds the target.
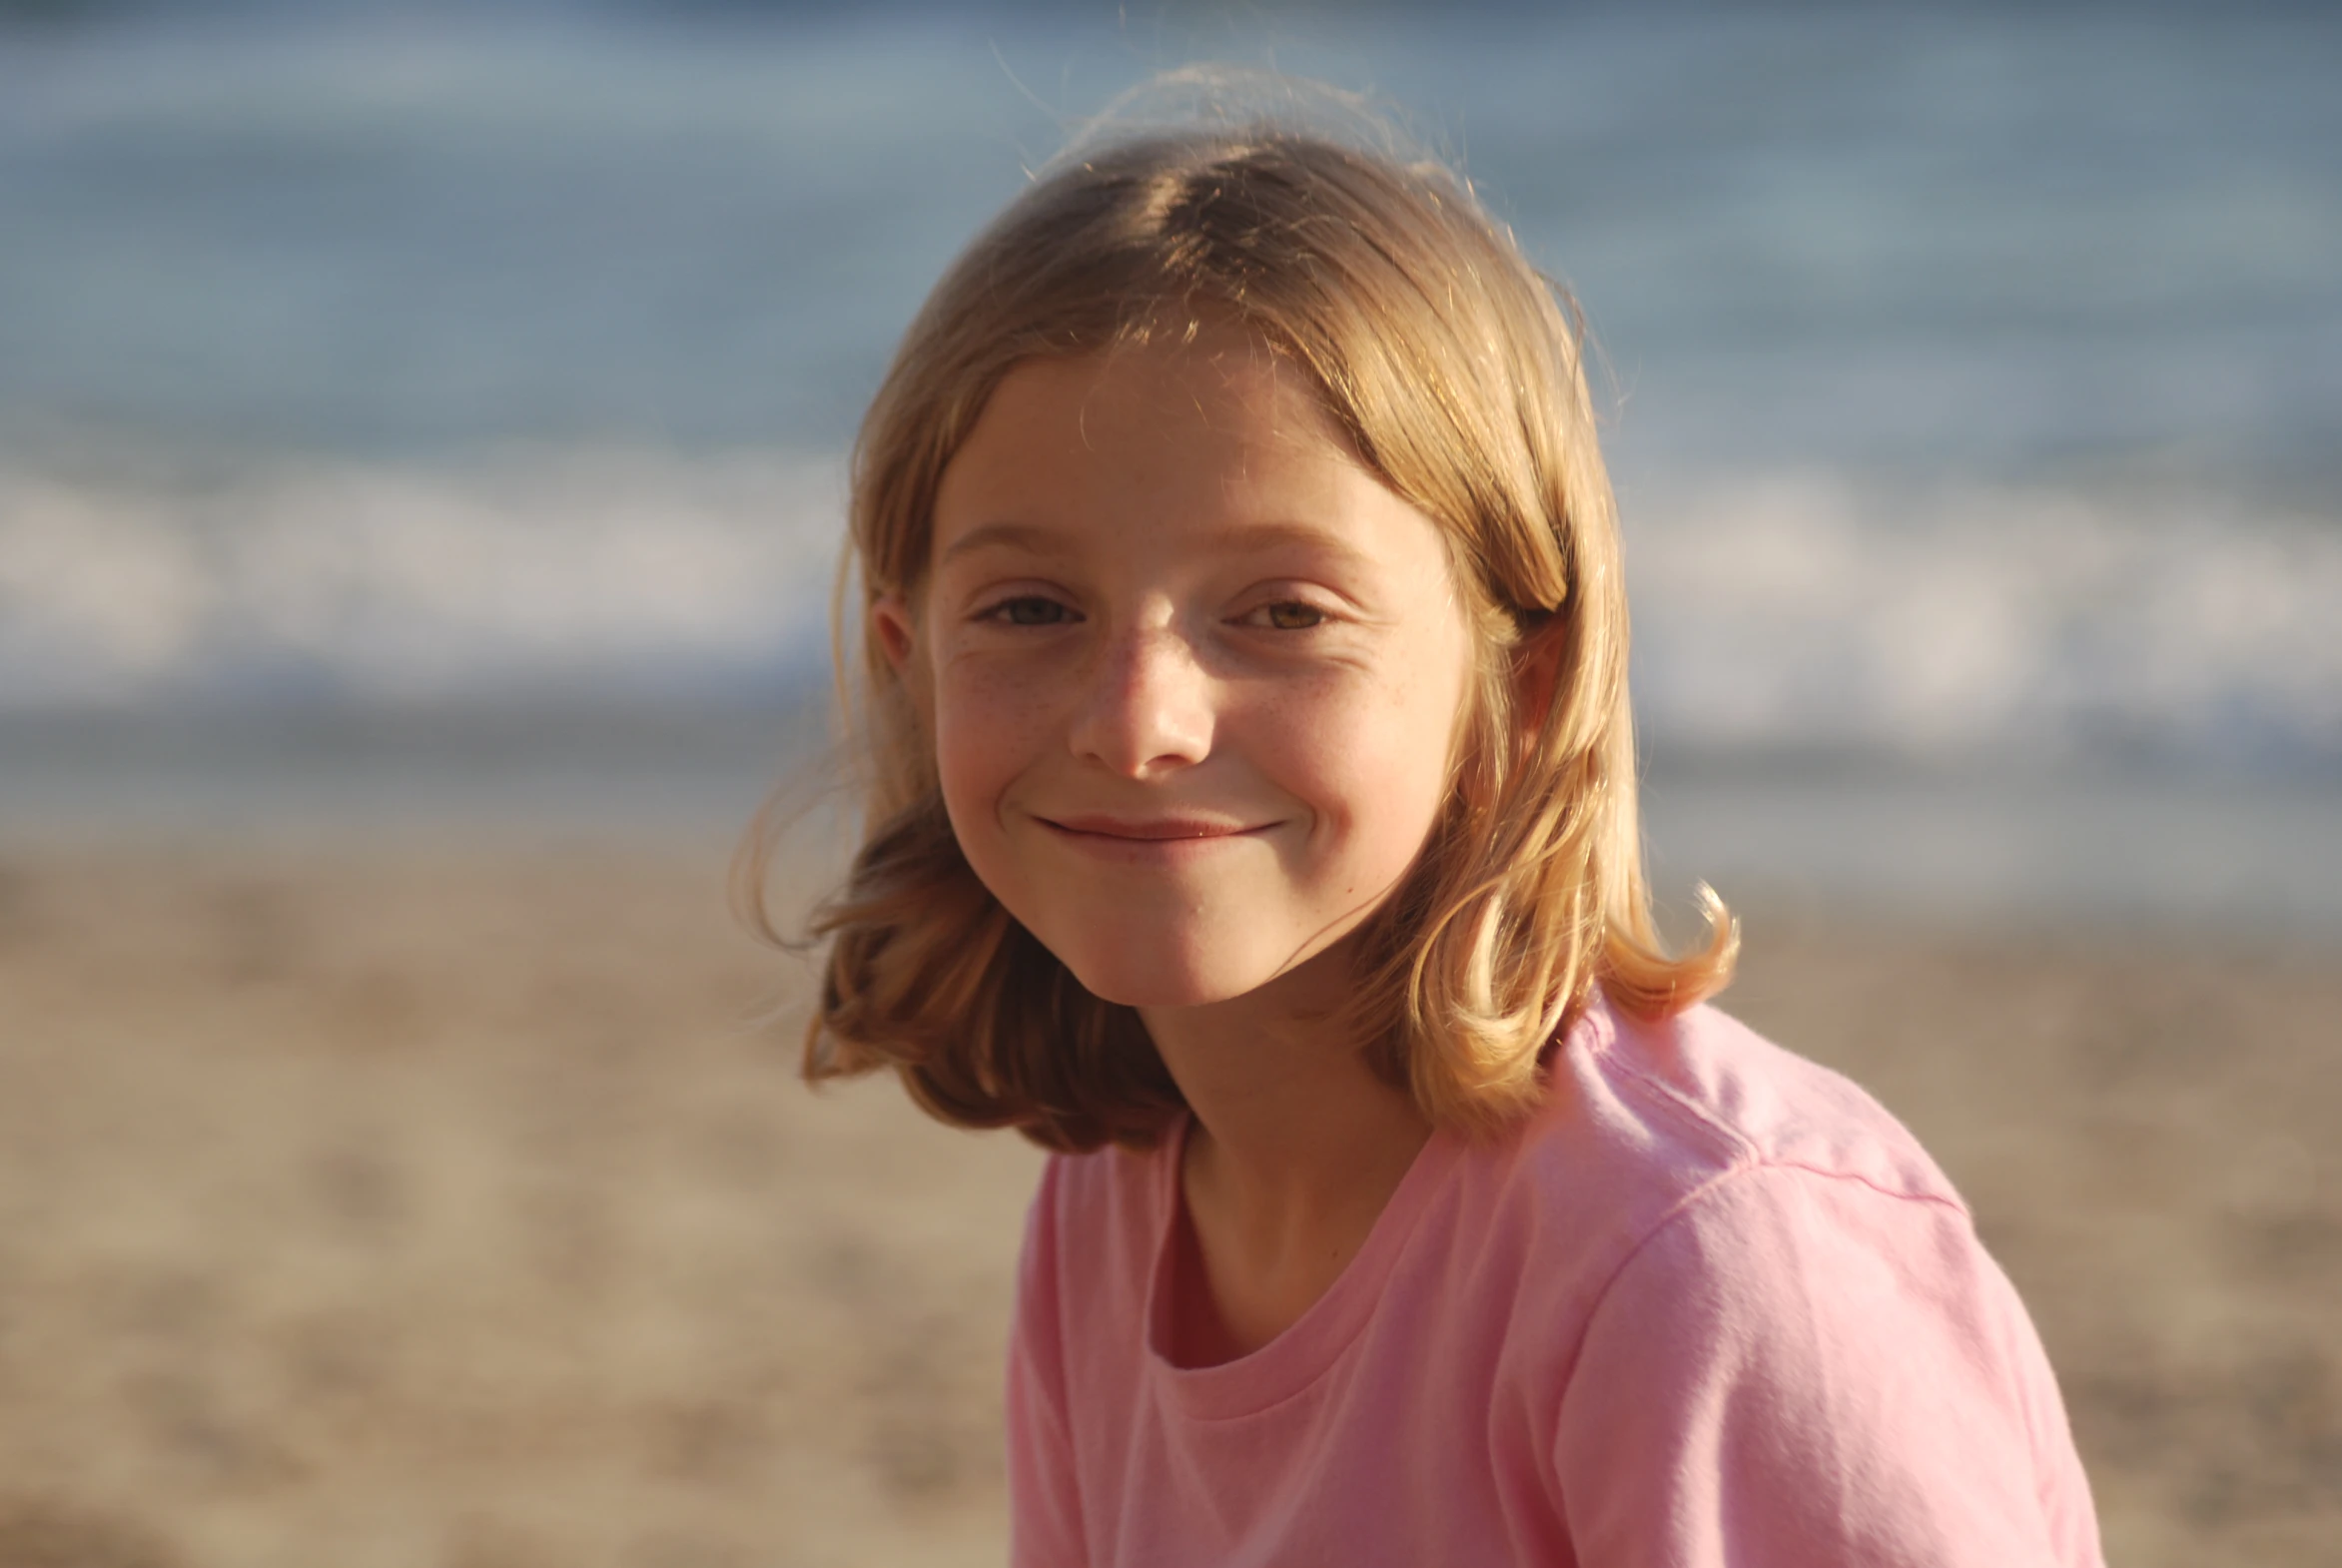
1252,538
1005,535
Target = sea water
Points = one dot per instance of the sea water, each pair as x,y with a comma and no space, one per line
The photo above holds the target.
398,403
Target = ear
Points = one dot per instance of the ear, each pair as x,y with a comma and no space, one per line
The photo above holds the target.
1536,671
892,627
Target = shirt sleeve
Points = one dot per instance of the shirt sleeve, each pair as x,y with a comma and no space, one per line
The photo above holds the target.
1800,1371
1045,1514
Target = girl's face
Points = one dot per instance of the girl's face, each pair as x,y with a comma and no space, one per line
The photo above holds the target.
1192,671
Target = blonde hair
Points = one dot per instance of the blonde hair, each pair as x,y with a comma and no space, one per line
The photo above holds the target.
1455,372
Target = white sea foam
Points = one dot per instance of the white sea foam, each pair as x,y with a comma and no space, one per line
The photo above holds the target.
1801,611
1772,612
584,573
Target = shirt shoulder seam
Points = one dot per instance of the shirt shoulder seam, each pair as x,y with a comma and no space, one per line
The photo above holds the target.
1700,1195
1683,1107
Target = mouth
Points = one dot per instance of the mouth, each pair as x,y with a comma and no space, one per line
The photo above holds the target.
1166,831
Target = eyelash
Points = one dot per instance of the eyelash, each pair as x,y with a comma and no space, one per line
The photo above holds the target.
1003,612
1263,616
1268,612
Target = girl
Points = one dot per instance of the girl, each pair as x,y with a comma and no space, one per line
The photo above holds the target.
1250,820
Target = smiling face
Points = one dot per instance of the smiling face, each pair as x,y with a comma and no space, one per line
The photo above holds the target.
1193,672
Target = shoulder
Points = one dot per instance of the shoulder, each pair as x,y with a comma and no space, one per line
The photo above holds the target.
1677,1125
1676,1104
1817,1372
1105,1188
1093,1229
1795,1328
1079,1316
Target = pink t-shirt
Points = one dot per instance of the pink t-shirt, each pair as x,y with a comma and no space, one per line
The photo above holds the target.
1712,1307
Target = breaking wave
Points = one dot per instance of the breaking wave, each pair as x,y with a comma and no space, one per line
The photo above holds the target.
1773,612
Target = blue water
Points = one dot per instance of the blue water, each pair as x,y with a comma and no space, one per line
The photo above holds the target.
1974,374
1919,237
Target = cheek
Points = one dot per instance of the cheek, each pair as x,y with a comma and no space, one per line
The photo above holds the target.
1375,767
986,731
967,754
1408,783
1423,727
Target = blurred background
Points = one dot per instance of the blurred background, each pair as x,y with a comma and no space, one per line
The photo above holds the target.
422,437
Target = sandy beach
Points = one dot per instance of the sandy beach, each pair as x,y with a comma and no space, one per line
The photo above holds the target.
443,1202
426,436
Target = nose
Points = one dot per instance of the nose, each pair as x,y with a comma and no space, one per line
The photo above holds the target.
1147,707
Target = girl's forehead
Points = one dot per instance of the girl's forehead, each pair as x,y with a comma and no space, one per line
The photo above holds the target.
1175,455
1157,416
1219,380
1135,443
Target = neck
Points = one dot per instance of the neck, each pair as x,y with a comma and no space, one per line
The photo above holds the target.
1296,1144
1283,1097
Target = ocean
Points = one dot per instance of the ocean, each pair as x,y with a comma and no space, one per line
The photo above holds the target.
437,409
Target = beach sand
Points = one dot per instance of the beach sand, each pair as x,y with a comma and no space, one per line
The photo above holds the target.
443,1203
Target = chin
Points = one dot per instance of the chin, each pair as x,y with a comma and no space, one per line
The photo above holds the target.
1144,974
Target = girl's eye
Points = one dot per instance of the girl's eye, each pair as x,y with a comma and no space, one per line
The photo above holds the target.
1290,615
1029,610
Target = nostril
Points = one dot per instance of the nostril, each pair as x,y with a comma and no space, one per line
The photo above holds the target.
1151,707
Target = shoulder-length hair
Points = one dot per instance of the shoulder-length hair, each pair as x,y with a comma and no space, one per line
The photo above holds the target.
1455,371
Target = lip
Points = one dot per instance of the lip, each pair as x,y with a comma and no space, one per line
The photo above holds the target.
1162,833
